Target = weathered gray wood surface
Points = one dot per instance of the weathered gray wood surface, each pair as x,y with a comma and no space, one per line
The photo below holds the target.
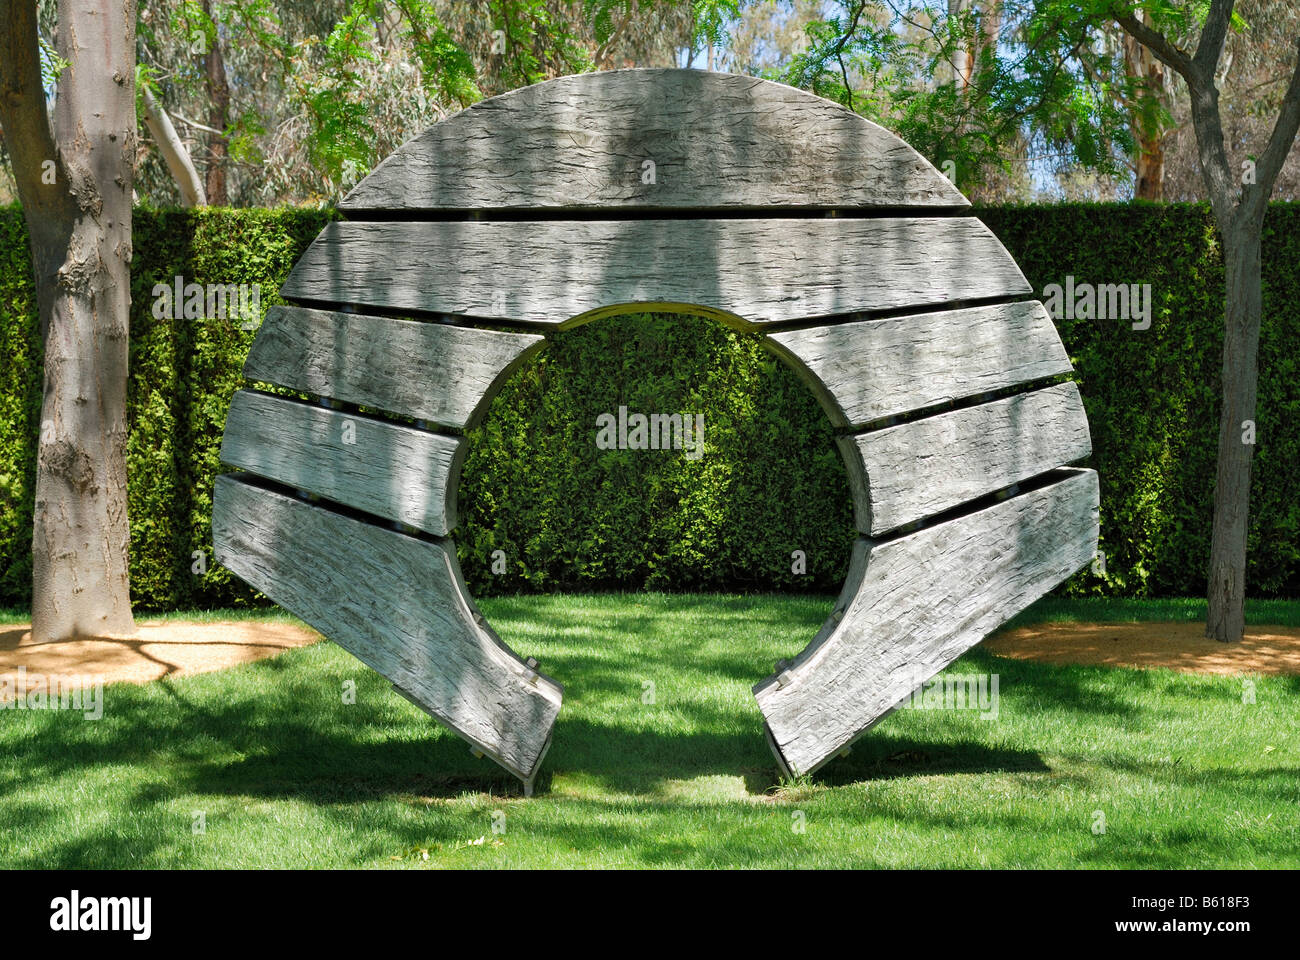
722,150
716,140
867,370
429,371
754,271
382,468
918,603
396,603
918,469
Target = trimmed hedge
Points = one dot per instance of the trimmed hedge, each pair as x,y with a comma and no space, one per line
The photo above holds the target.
182,375
568,515
1152,395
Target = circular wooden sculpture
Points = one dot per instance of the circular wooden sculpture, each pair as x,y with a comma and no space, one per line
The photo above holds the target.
639,190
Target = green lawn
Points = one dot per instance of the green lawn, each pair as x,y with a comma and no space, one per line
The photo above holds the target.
287,775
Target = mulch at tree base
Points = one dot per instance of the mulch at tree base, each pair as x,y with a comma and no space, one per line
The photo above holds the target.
160,649
175,648
1265,650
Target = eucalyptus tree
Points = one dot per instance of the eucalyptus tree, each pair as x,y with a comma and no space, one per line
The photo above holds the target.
74,173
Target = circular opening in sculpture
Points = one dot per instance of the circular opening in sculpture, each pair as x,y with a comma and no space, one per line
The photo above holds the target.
660,454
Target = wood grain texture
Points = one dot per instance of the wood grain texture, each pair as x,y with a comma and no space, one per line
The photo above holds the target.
395,602
921,468
868,370
741,271
429,371
919,602
717,140
381,468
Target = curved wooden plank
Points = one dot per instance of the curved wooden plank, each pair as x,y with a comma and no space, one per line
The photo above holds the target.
922,468
429,371
396,603
868,370
744,271
716,140
919,602
381,468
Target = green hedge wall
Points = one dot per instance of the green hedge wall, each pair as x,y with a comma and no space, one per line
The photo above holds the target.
1152,395
568,515
182,375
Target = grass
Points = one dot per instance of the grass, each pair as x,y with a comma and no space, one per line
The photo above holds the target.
1284,613
9,616
286,774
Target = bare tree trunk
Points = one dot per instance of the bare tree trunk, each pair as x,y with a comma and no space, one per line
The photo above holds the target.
1150,168
961,58
1243,310
173,151
1149,163
214,69
76,195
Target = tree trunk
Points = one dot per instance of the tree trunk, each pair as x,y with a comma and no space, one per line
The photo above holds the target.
1149,164
214,69
1150,167
1242,312
1241,223
961,57
76,196
990,28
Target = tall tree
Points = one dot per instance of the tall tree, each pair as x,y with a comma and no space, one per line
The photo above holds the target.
1148,125
74,184
218,90
1239,198
1252,80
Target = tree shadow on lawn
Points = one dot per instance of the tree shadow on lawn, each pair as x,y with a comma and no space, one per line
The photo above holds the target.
889,757
380,747
295,739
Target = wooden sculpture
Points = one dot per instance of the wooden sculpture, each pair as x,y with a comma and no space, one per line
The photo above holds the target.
633,191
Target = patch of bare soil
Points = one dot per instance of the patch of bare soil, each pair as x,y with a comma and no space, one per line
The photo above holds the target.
160,649
1178,646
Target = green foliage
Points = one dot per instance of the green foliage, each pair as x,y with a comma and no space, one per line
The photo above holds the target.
1152,395
569,515
182,375
1035,73
711,18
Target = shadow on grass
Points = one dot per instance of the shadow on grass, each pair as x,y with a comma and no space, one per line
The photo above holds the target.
277,730
284,738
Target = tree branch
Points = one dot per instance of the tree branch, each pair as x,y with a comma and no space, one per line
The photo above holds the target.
22,110
173,151
839,53
177,115
1213,34
604,51
1220,184
1279,142
1165,50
